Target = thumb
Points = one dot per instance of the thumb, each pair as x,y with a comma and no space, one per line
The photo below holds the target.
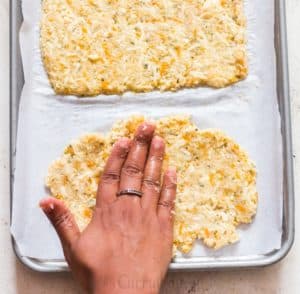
61,219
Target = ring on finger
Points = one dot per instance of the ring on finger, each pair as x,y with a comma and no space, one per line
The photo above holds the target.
130,192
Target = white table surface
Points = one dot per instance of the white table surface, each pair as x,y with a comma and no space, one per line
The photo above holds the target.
282,278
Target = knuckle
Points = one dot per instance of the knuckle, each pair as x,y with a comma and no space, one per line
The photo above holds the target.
142,140
151,184
166,203
110,176
132,170
156,157
171,186
63,220
121,152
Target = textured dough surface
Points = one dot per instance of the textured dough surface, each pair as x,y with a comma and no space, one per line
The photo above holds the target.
216,179
92,47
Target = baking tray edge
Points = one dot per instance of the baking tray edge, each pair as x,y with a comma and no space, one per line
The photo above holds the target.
17,81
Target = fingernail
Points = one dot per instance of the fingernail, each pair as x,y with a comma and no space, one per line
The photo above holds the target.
124,143
146,126
157,142
45,206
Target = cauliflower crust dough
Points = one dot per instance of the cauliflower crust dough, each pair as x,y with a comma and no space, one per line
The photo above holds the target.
216,179
92,47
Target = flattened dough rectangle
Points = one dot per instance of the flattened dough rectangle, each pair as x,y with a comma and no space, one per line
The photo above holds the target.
92,47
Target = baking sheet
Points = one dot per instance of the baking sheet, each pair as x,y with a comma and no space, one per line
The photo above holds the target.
248,112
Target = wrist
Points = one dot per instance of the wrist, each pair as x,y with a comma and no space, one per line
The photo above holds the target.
125,285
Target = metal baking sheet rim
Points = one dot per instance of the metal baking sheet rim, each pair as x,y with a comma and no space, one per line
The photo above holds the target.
195,264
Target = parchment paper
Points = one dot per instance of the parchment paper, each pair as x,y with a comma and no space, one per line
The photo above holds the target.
247,111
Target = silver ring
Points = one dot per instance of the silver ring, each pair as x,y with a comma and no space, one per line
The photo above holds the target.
130,192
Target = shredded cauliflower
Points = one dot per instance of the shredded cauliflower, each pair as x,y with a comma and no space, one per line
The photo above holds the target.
216,179
92,47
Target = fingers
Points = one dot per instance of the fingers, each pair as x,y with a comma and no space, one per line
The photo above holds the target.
151,180
61,219
133,168
110,179
167,196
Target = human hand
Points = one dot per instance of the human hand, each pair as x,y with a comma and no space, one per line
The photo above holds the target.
127,246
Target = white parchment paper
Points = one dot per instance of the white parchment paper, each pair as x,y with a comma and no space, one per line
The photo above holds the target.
247,111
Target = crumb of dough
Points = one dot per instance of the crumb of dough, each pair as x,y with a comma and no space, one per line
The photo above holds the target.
92,47
216,188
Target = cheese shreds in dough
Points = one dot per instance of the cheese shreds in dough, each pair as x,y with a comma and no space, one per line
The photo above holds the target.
92,47
216,188
75,176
